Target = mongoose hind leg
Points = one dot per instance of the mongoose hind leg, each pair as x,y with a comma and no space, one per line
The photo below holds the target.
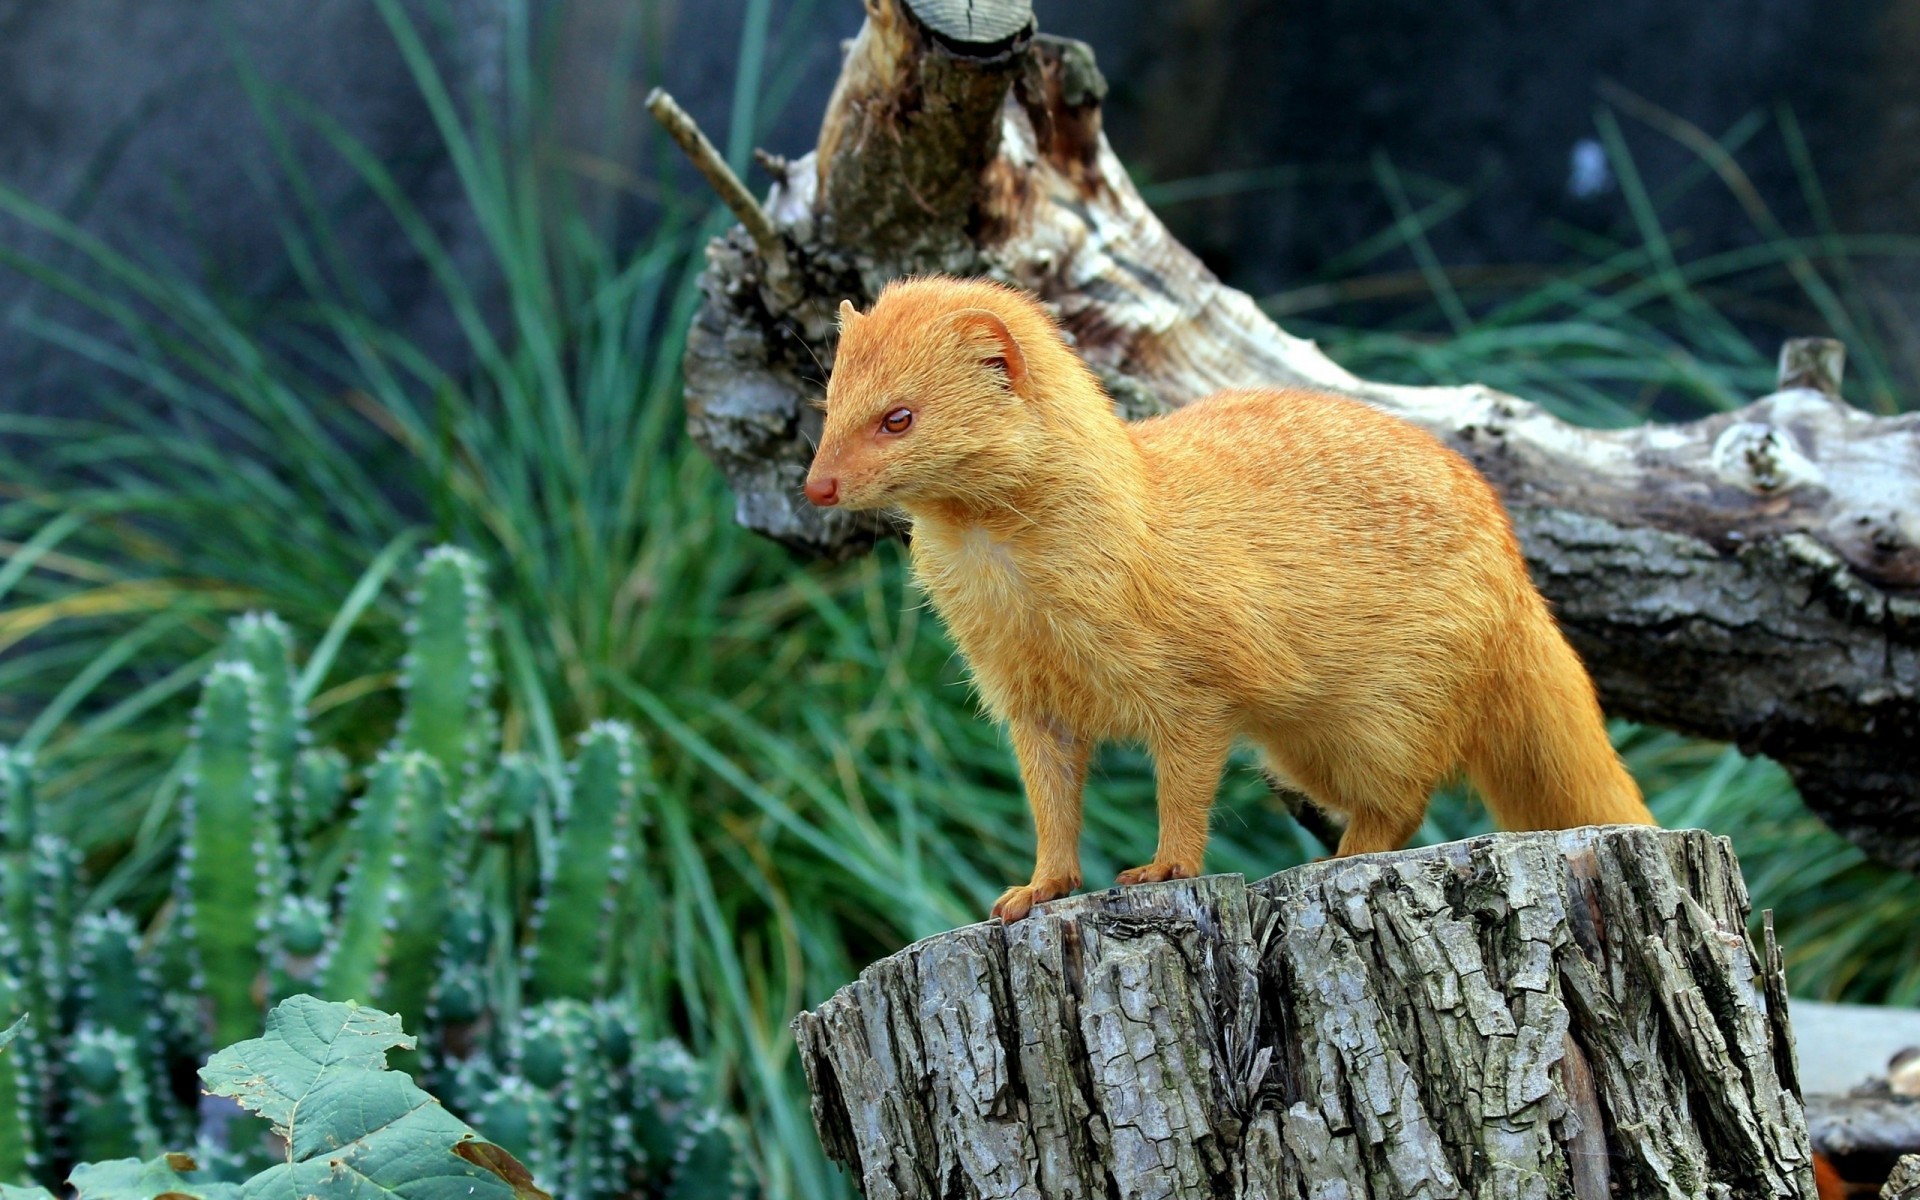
1186,770
1380,812
1375,828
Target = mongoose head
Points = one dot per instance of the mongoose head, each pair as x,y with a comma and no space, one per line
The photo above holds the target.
930,397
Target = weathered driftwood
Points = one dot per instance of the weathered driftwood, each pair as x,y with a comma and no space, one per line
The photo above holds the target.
1753,577
1521,1015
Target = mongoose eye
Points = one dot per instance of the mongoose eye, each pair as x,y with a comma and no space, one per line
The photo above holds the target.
897,421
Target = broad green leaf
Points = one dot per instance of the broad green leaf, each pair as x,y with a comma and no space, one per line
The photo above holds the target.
305,1039
156,1179
10,1192
354,1129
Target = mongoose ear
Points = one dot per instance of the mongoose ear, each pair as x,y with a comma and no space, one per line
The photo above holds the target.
1008,357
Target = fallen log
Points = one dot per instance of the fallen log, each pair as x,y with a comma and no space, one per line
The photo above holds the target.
1578,1013
1751,577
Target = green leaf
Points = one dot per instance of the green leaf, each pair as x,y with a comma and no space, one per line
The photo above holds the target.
353,1128
10,1192
305,1039
12,1031
156,1179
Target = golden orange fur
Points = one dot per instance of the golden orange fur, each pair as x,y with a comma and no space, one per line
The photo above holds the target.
1287,566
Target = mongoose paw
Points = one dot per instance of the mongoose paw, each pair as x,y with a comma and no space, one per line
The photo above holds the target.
1155,872
1017,901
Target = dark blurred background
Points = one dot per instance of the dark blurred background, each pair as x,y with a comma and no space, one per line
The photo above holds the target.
1275,137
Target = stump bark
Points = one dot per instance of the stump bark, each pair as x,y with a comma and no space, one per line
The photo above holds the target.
1904,1183
1573,1014
1752,577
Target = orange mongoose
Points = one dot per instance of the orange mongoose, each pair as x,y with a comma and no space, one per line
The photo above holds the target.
1287,566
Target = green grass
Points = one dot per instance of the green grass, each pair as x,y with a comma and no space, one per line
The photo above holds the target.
825,787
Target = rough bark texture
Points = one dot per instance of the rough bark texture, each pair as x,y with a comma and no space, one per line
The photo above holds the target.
1904,1183
1576,1014
1754,576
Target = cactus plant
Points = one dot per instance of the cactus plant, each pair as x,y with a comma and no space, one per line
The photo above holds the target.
517,789
313,800
36,938
399,787
115,990
449,673
466,882
20,974
688,1150
299,937
40,962
573,921
559,1050
526,1120
232,868
593,1112
18,1157
263,642
109,1108
113,984
464,992
17,830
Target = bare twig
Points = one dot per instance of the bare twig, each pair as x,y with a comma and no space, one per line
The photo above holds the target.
677,122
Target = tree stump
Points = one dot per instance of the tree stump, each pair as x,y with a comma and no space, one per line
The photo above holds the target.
1570,1014
1904,1183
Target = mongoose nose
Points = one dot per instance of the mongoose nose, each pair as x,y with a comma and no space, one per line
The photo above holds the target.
823,492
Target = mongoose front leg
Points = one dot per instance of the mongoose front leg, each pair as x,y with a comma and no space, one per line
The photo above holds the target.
1187,776
1053,766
